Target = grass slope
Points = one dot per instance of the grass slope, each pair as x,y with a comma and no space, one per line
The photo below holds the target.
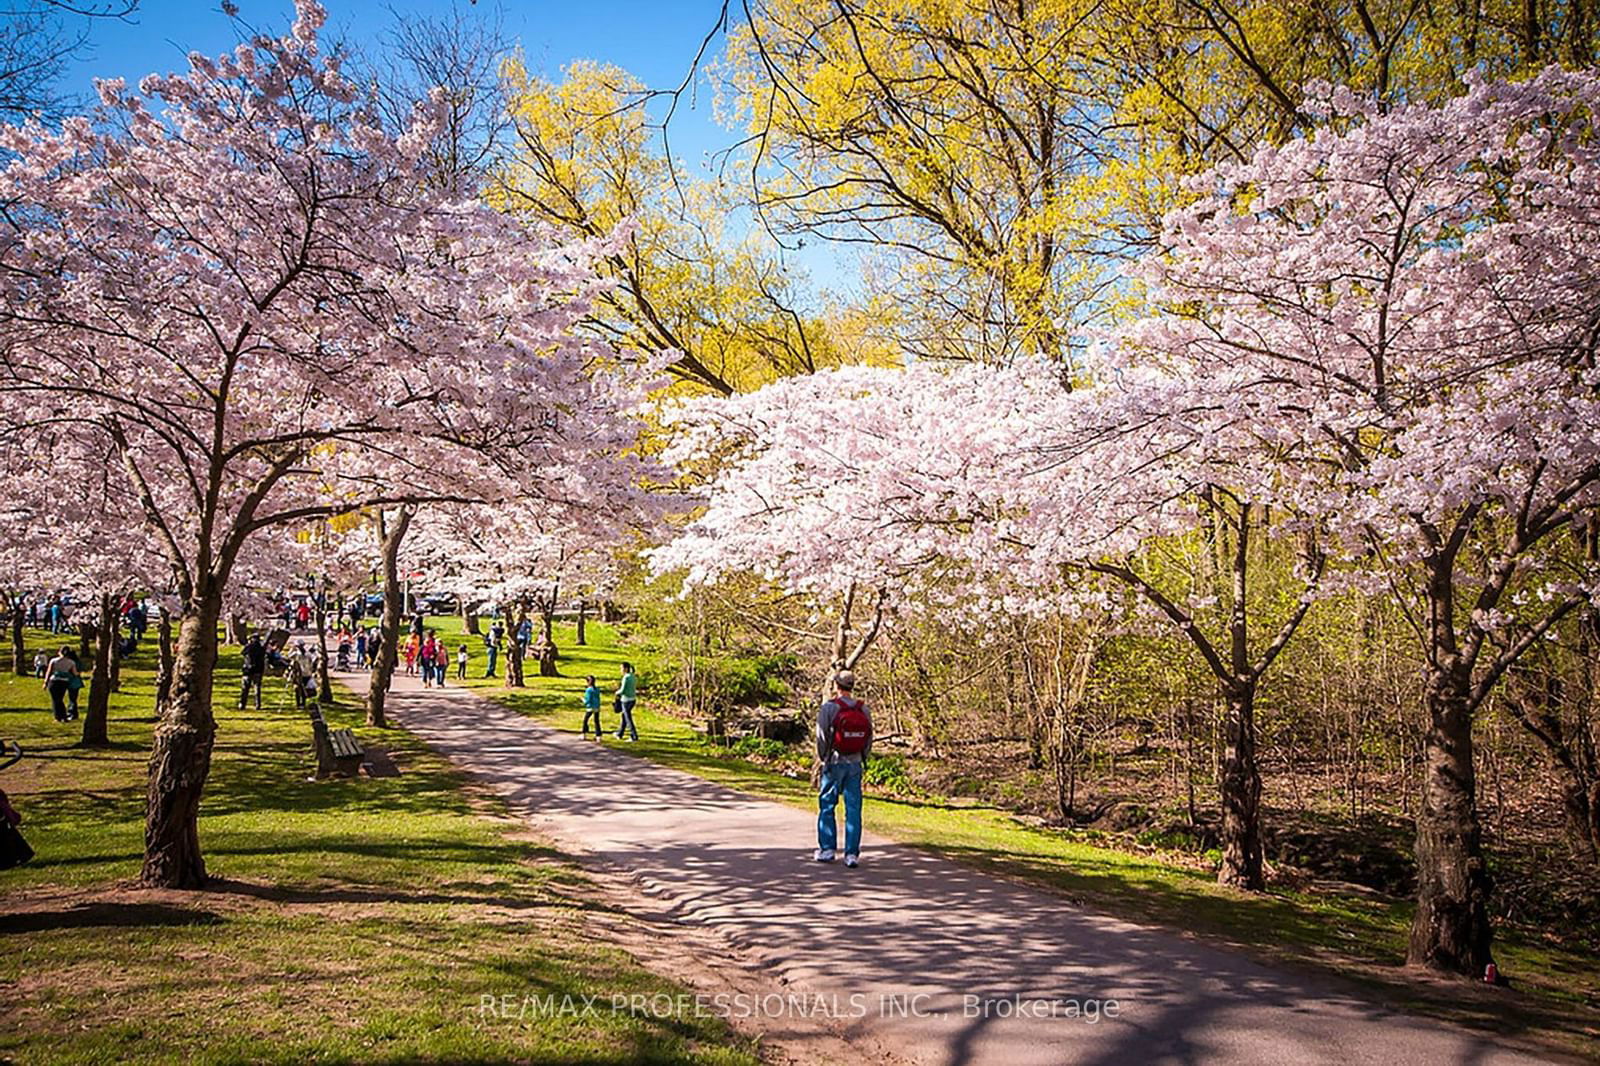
354,920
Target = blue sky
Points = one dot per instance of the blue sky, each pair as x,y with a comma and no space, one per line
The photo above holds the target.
654,39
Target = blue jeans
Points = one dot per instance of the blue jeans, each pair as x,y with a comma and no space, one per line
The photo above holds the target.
840,779
626,725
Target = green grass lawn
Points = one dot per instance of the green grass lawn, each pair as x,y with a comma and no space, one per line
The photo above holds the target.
1557,989
352,920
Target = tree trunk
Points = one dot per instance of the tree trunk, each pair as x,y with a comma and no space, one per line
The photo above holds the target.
469,618
164,657
547,637
1451,929
583,616
325,683
389,628
1581,805
86,635
114,666
238,630
514,647
99,703
1241,795
19,647
180,758
547,660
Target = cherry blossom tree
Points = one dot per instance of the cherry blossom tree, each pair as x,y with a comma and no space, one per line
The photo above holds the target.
969,486
1384,334
46,479
1409,307
251,295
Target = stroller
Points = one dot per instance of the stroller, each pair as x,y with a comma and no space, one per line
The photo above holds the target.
14,851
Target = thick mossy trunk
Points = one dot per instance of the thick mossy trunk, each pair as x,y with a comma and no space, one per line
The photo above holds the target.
1241,795
546,650
1451,929
180,758
99,703
383,663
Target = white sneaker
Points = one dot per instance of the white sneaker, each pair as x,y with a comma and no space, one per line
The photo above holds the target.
823,856
852,860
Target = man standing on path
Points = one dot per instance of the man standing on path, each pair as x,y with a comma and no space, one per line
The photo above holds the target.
492,646
844,739
252,670
627,696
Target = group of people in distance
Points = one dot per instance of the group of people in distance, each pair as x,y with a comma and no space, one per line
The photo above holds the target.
301,666
431,656
844,730
62,673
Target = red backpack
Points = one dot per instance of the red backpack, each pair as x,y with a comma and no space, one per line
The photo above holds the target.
852,729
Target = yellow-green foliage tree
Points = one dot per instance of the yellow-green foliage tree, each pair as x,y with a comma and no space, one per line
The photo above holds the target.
587,160
999,158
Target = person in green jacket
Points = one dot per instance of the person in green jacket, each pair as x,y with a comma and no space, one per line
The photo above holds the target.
627,696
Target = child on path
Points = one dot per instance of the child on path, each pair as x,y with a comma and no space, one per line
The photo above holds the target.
461,663
591,708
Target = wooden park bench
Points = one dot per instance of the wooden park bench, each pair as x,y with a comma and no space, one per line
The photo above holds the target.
338,750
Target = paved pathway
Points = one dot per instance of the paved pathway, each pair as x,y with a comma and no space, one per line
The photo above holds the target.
917,953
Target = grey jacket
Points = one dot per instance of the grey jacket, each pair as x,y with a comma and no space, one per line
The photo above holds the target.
825,750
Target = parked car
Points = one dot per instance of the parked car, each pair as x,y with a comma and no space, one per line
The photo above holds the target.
436,602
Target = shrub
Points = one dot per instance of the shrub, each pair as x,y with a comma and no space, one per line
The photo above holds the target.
760,748
888,773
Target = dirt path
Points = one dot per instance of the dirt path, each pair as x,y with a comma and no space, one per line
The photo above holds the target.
940,963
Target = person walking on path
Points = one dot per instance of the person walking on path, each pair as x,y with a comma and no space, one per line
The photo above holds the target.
58,678
844,740
425,661
254,668
591,708
627,696
441,661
